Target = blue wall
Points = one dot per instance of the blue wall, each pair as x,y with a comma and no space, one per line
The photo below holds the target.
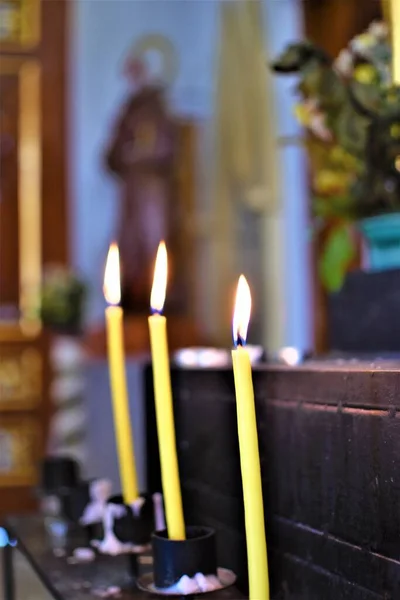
101,33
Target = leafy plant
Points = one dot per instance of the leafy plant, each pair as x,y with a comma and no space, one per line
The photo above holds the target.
351,111
62,300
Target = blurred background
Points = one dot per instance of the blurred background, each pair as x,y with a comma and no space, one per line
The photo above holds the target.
137,121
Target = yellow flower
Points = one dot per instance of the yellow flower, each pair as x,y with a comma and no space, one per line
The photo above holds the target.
365,39
365,74
328,182
338,155
362,44
302,114
342,159
395,131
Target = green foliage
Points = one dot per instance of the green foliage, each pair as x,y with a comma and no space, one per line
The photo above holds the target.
337,255
351,131
337,207
62,300
351,112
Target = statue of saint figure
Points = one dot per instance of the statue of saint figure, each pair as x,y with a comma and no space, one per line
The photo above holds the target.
142,155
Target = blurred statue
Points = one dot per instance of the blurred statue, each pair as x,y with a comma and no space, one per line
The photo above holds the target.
142,155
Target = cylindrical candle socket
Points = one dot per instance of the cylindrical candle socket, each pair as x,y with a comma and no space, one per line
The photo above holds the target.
249,452
116,362
174,559
163,401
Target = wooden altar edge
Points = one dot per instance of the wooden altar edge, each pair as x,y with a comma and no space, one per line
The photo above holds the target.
311,581
374,571
353,491
314,583
355,387
228,511
315,549
345,388
327,468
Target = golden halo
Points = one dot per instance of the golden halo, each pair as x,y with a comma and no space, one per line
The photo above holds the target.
165,47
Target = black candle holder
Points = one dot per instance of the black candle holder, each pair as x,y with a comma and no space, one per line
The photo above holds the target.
77,502
58,473
193,559
135,528
172,559
127,528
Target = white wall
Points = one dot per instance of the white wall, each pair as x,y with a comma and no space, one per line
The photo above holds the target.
101,33
288,283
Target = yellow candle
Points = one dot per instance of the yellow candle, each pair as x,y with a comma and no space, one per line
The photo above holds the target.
116,362
394,7
249,454
163,401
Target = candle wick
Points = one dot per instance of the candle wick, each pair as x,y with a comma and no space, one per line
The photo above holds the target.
155,311
240,341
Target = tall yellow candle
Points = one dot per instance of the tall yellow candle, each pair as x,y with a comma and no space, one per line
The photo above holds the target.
394,7
116,362
163,401
249,453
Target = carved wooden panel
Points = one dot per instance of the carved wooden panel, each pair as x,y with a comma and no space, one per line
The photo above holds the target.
20,183
19,24
19,450
21,378
33,227
9,269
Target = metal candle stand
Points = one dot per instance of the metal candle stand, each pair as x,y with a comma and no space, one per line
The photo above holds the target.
58,473
175,559
61,482
132,528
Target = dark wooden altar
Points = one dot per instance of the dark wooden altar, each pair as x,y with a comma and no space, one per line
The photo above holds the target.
79,581
330,446
363,315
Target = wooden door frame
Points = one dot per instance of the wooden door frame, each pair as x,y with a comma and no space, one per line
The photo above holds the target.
54,55
50,54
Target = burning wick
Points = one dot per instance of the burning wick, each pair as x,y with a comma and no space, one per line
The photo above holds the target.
241,315
158,291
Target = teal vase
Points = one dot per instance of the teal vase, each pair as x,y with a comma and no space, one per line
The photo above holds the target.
382,235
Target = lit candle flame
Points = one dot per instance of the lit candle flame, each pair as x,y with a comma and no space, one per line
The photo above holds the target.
241,315
112,280
159,287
